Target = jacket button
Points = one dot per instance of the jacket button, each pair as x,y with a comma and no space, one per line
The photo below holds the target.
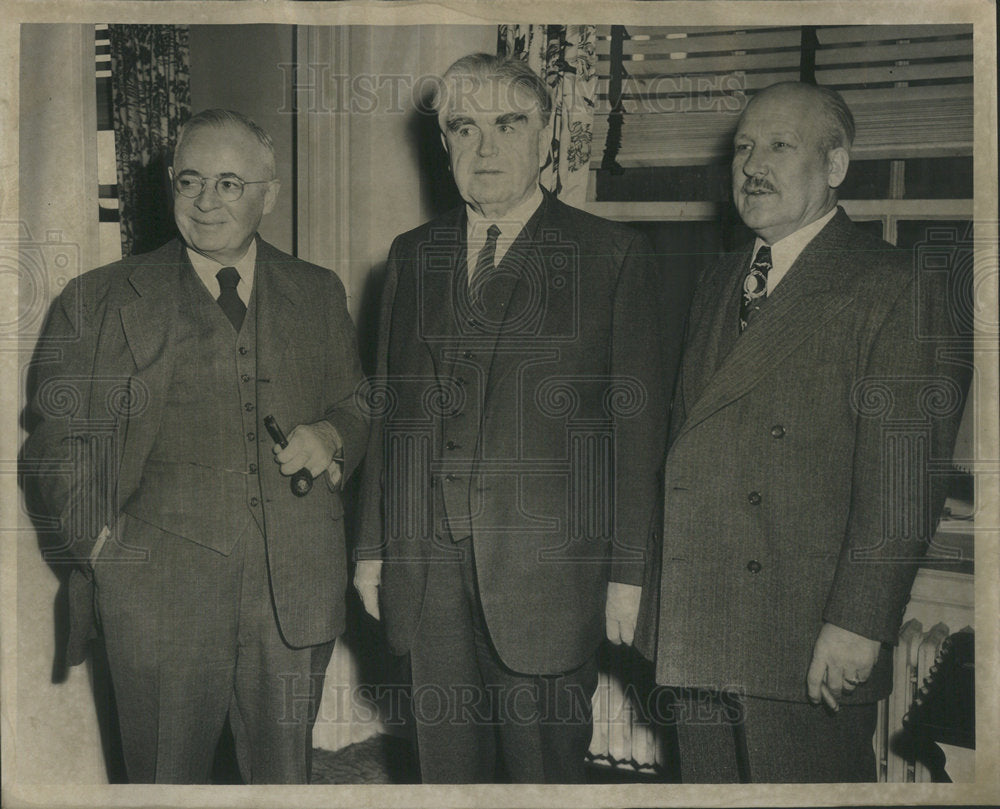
753,566
244,378
754,498
452,445
253,469
243,350
450,478
468,355
777,431
460,380
254,501
251,436
248,407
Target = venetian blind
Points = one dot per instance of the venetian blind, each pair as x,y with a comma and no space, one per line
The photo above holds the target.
671,96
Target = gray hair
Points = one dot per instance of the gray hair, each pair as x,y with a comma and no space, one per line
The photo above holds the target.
484,67
838,122
220,118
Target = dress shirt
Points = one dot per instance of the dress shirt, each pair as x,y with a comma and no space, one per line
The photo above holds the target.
786,250
206,268
511,225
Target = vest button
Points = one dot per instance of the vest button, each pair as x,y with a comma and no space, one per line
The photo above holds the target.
243,350
254,501
778,431
460,380
245,378
451,445
253,469
468,355
251,436
754,498
754,566
450,478
248,407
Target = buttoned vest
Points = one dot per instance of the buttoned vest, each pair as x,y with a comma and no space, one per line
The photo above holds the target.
200,480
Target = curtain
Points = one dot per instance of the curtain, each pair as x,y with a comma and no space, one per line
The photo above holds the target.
564,55
151,98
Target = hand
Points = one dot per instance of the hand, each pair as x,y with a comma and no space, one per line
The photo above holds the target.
841,660
311,447
621,611
367,579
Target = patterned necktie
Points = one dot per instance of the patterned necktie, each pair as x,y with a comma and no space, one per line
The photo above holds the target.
485,263
235,309
755,286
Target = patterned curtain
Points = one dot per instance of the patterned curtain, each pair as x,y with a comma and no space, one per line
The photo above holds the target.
564,56
151,98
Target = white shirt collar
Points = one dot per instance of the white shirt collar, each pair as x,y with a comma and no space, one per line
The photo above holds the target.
206,268
786,250
511,225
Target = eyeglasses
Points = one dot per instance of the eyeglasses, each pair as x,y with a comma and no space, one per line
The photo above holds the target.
229,188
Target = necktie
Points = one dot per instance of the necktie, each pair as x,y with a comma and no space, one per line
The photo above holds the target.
235,309
755,286
485,263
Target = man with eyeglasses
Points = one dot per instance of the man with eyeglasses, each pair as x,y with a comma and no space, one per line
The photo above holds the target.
219,590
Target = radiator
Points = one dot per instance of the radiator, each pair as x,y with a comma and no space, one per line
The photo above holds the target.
624,737
914,656
623,734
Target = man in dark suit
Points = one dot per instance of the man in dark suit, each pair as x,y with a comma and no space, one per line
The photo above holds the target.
218,591
518,433
814,392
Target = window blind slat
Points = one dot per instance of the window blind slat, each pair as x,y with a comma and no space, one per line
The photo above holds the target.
934,71
665,65
720,40
924,94
863,53
887,33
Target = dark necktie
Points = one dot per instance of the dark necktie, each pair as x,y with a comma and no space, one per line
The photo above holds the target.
485,263
755,286
235,309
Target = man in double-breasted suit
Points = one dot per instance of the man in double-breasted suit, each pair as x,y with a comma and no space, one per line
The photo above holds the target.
822,376
218,591
519,427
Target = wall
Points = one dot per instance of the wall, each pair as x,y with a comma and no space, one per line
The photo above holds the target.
53,717
238,67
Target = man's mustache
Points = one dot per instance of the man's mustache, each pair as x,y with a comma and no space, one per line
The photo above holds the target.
756,186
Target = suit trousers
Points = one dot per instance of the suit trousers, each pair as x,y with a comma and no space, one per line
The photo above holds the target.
729,738
476,720
191,636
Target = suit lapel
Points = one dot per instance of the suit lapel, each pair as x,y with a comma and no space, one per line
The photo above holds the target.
148,321
713,329
806,301
277,299
517,299
441,284
148,324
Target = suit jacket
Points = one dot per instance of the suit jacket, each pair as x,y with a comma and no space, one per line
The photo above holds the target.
799,485
563,396
103,365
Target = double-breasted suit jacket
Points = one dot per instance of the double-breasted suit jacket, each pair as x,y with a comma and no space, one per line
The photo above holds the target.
118,322
799,484
533,422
